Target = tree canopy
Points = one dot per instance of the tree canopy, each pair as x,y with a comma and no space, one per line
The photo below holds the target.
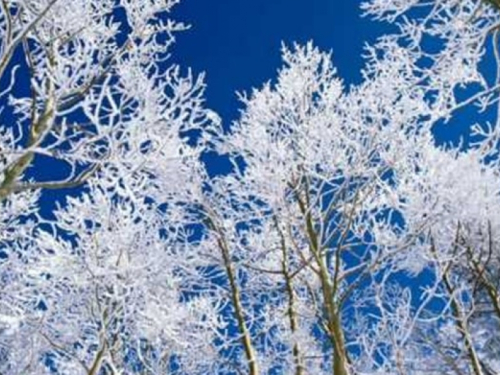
348,238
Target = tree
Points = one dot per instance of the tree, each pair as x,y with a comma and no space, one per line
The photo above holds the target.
345,240
460,190
99,286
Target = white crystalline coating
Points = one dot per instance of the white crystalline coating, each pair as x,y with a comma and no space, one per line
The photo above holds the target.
344,239
10,323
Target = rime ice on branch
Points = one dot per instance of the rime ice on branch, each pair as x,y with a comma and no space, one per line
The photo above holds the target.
346,240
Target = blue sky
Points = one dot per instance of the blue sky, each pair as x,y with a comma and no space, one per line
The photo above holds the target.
237,42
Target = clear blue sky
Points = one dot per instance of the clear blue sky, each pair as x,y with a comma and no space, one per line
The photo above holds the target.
237,42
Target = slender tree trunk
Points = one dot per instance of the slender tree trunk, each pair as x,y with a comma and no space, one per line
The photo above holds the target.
333,320
250,353
238,309
292,315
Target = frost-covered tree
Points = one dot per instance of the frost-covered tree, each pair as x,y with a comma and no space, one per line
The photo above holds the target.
377,240
105,283
454,48
348,238
312,204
